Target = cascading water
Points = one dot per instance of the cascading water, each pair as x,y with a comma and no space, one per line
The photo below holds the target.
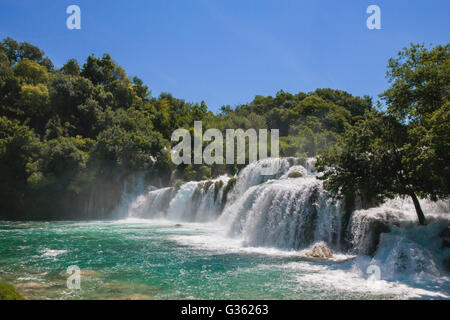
286,213
255,174
390,234
191,202
280,211
291,210
153,204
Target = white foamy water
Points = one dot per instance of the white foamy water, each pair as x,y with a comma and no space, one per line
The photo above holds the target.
52,253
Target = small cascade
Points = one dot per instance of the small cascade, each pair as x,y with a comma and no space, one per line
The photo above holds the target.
133,186
391,235
197,201
152,204
193,202
366,226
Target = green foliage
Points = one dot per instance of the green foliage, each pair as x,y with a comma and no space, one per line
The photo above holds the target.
420,83
419,98
207,185
365,159
71,68
178,183
217,186
308,122
34,100
295,174
130,150
17,52
31,72
230,185
64,156
8,292
197,172
405,150
102,71
19,150
5,70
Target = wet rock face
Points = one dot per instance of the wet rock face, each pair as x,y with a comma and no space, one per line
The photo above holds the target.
376,228
320,250
366,228
445,244
445,235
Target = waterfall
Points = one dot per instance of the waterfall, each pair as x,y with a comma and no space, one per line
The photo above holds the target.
153,204
286,213
252,174
290,209
191,202
391,236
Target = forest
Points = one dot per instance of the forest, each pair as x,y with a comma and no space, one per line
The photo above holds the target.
77,132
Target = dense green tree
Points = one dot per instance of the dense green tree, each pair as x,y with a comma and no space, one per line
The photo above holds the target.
102,71
71,68
17,52
405,151
19,150
5,70
31,72
34,100
366,160
141,90
420,83
121,148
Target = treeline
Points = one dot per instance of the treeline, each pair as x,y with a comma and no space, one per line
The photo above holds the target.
67,134
69,137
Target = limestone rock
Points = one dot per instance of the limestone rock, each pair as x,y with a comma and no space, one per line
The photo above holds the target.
320,250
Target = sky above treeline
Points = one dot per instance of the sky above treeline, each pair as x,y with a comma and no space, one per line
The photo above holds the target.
226,52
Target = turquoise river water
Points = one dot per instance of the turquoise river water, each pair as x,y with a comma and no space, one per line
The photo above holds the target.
154,259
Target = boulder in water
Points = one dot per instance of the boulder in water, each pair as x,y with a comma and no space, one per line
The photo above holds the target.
320,250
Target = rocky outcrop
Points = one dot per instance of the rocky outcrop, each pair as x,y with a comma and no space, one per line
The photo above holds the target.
320,250
366,227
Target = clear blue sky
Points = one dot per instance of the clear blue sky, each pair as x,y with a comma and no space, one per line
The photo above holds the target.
227,51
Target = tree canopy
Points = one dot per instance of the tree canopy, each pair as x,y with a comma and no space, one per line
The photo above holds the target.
405,149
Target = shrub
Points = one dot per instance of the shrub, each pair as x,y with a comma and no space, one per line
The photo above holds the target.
8,292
